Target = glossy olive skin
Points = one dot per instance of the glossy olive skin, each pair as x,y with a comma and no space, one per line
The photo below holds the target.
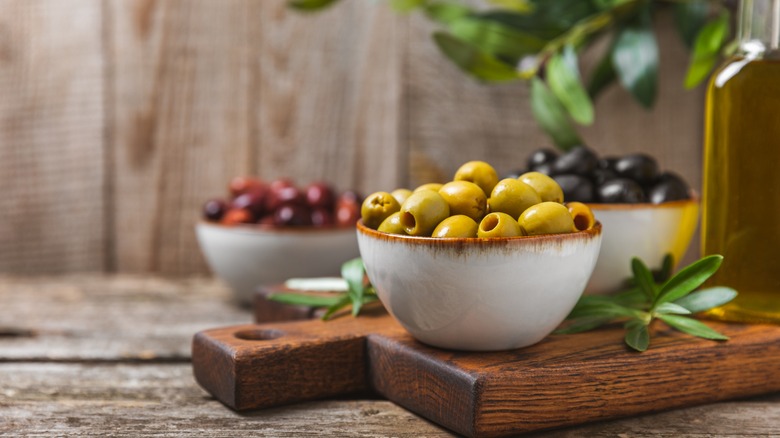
499,225
456,226
422,211
582,215
621,191
671,187
478,172
641,168
513,197
377,207
539,157
546,218
214,209
465,198
579,161
400,195
545,186
430,186
575,187
392,224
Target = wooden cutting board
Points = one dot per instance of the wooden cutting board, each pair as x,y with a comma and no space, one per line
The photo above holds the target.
562,381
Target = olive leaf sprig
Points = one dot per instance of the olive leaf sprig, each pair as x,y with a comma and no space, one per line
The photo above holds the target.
671,301
355,292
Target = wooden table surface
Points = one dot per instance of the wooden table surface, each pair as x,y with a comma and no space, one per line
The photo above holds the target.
109,355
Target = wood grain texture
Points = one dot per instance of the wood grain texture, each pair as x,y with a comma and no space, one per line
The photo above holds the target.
51,132
562,381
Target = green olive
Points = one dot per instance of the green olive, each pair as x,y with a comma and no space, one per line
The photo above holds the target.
582,215
546,187
480,173
430,186
400,195
422,211
465,198
456,226
546,218
377,207
392,225
499,225
512,196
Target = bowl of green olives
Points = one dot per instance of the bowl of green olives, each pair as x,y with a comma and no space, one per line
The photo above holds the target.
646,212
268,232
478,263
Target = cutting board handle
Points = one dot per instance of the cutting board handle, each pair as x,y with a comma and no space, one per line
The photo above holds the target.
258,366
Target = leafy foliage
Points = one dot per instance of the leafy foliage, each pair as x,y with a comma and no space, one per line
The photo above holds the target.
669,299
539,41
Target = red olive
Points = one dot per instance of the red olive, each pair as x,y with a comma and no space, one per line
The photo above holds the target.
243,184
295,215
237,216
319,195
254,201
347,212
321,217
214,209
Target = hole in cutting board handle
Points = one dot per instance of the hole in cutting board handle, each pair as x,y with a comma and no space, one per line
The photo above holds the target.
259,335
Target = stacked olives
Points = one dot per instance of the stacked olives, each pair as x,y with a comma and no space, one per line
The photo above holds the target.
584,177
477,204
280,203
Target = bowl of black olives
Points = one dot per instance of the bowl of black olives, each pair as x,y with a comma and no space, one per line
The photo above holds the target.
267,232
478,263
646,212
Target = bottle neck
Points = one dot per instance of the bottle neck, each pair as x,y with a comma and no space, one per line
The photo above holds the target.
759,28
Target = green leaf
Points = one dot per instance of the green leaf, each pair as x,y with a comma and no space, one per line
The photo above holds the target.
582,325
635,58
309,5
644,278
637,336
406,5
689,279
446,12
692,327
353,272
667,265
521,6
551,116
473,61
690,16
603,310
495,38
707,299
563,76
344,302
307,300
603,75
672,308
706,50
549,18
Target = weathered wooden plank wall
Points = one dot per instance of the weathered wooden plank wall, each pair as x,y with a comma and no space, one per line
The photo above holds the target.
119,118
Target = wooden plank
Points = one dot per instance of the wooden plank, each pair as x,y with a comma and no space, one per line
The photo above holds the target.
100,318
51,136
180,125
133,400
327,94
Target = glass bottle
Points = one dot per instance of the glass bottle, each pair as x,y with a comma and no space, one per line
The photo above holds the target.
741,196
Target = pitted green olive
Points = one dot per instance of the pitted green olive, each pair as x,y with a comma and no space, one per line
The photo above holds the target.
430,186
546,187
546,218
392,224
456,226
422,211
480,173
582,215
464,198
499,225
512,196
400,195
377,207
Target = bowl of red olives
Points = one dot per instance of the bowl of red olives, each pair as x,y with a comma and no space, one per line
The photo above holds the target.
478,263
646,212
268,232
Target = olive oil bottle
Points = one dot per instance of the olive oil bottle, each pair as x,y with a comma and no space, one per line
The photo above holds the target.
741,196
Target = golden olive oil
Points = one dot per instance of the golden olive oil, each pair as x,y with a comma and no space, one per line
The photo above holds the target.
741,198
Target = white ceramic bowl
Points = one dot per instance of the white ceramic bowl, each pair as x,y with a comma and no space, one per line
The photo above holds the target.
248,256
479,294
647,231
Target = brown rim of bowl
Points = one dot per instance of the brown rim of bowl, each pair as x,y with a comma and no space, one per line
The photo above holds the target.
270,229
694,199
586,234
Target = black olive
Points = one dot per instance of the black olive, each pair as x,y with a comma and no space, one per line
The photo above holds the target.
600,176
545,168
608,163
575,188
578,161
671,187
541,156
514,174
621,191
641,168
